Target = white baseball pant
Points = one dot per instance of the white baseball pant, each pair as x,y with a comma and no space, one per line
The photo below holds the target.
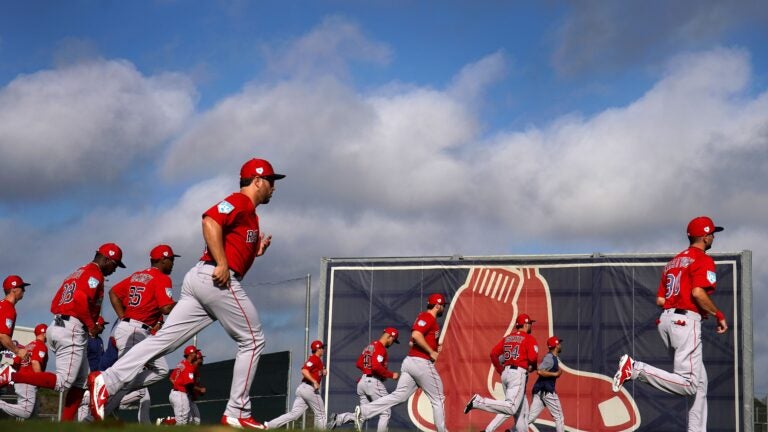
682,333
181,403
514,403
26,396
199,305
306,396
415,372
552,402
128,334
68,341
369,389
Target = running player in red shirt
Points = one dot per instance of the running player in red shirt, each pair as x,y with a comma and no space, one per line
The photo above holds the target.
13,287
26,395
183,380
687,283
373,364
513,357
212,291
140,301
76,307
418,369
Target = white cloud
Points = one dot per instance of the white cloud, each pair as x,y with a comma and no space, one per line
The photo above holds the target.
85,122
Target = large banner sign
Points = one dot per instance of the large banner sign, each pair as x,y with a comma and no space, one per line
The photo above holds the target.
601,306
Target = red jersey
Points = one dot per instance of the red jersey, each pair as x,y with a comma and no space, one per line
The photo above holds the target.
314,365
7,317
691,268
515,349
240,227
80,295
425,324
183,377
144,293
37,352
373,361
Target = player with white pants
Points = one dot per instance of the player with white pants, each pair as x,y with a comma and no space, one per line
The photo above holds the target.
35,360
212,291
307,393
418,369
373,364
514,356
544,389
684,292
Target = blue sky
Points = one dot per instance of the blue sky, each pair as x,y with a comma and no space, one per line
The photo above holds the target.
405,128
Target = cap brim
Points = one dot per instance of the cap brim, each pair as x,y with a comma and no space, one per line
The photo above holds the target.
397,341
25,284
718,229
119,263
276,176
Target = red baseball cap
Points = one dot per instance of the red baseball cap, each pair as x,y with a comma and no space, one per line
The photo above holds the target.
40,329
12,282
191,349
523,319
701,226
162,251
316,345
436,299
113,252
553,341
259,168
392,332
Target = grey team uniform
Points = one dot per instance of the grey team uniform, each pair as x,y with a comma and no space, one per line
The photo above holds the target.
417,370
544,394
202,302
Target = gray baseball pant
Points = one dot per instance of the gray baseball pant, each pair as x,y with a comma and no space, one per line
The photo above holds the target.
415,372
552,402
200,304
68,340
26,396
515,404
306,396
368,389
682,333
181,404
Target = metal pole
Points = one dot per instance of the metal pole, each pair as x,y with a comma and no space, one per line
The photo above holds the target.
61,404
306,337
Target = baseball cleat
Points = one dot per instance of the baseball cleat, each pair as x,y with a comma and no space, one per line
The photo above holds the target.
469,405
5,376
358,419
242,423
99,395
624,373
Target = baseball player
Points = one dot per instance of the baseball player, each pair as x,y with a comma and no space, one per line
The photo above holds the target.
180,378
513,357
14,288
418,369
76,307
140,301
544,388
684,292
212,291
184,382
373,364
26,395
308,391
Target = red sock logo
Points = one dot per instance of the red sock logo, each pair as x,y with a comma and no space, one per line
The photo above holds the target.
480,314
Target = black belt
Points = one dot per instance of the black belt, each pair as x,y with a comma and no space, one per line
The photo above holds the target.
512,367
144,326
213,263
373,376
681,311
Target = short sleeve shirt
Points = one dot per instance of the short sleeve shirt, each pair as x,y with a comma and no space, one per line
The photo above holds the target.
425,324
144,293
691,268
37,352
517,349
314,365
373,361
80,295
240,227
7,317
183,377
